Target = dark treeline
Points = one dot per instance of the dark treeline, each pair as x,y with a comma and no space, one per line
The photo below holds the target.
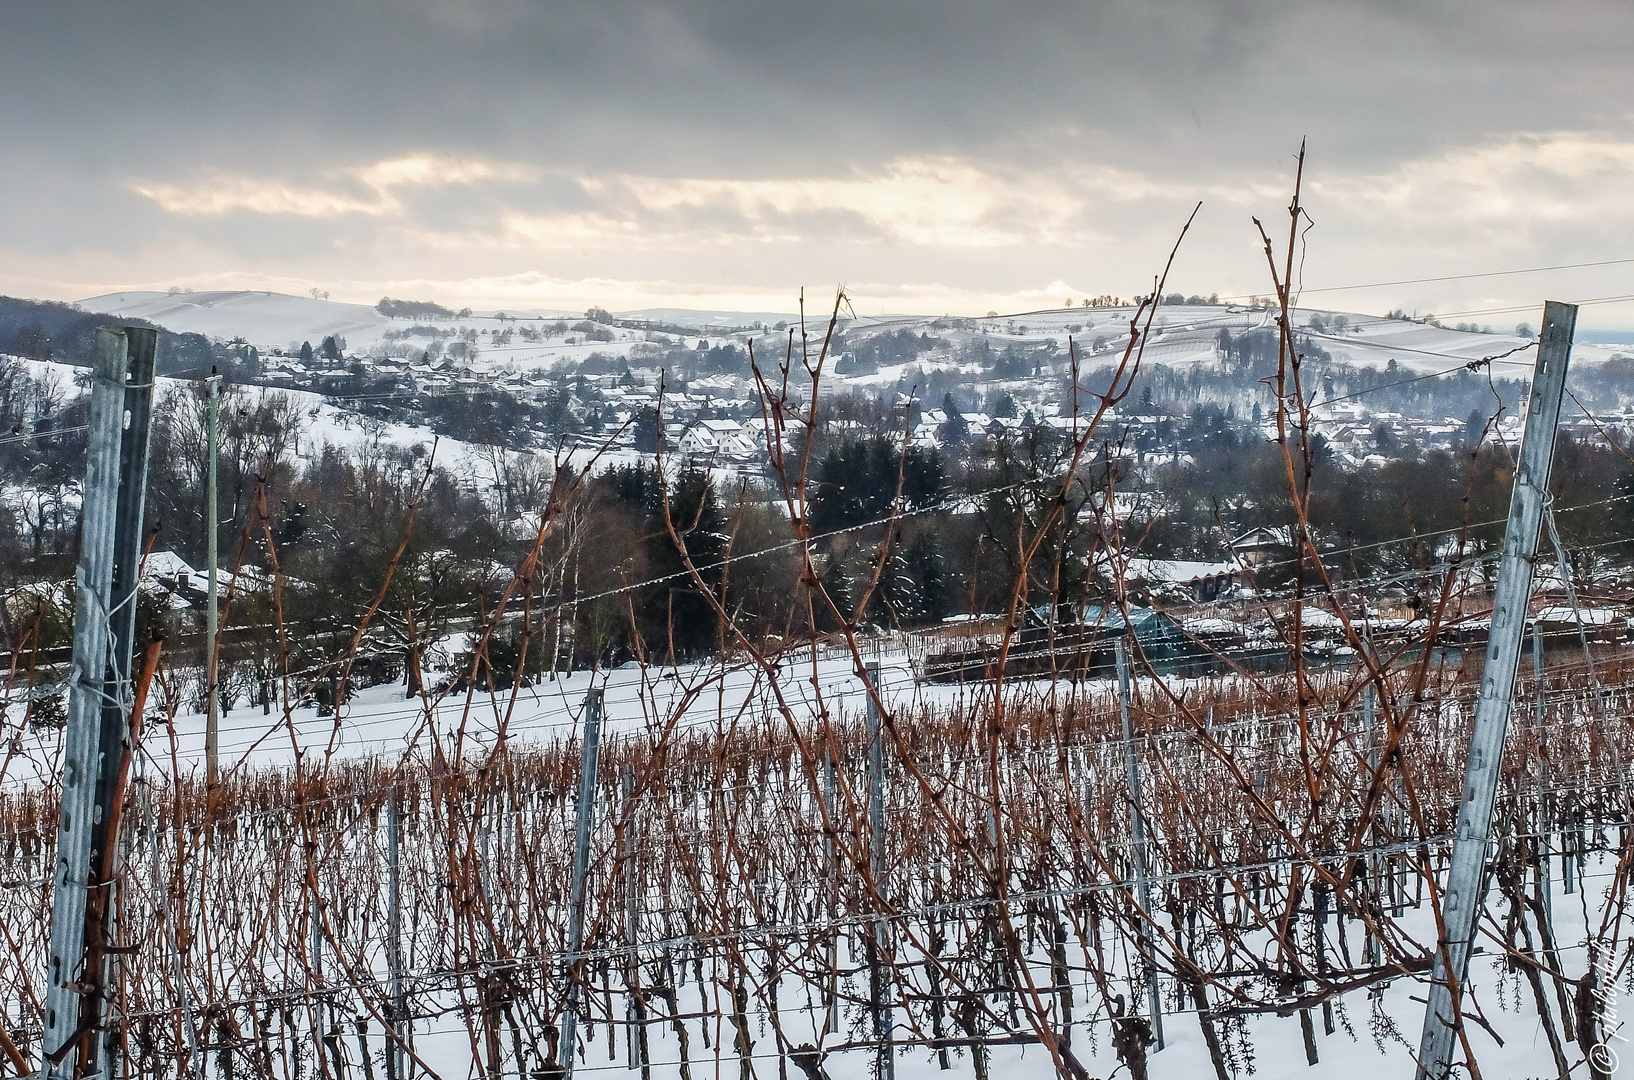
413,309
44,330
1396,513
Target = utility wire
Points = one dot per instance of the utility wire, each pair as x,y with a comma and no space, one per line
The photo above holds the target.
1377,580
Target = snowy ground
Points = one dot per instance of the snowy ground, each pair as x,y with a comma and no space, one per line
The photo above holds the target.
265,319
379,722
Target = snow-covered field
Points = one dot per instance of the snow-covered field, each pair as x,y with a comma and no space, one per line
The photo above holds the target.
265,319
1374,1027
518,843
379,721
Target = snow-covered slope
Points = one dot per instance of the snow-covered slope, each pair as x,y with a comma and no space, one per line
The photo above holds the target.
710,320
267,320
1181,334
1184,334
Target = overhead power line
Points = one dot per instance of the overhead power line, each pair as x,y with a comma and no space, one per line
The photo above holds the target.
1405,281
1463,277
1532,307
7,440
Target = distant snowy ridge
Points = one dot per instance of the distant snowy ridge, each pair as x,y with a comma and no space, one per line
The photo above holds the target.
1181,334
266,320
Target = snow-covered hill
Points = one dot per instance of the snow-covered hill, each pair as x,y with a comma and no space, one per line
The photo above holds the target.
266,320
1184,334
1181,333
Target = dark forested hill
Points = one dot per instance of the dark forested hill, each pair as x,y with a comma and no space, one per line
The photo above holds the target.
47,330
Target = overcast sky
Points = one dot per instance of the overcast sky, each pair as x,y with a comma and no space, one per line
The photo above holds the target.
931,156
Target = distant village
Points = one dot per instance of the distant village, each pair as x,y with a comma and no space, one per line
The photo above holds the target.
717,417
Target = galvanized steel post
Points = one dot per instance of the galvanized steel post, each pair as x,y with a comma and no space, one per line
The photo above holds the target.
876,867
98,695
398,1011
212,720
1466,878
589,754
1137,835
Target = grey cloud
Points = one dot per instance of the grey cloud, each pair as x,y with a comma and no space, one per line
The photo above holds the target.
728,82
1192,94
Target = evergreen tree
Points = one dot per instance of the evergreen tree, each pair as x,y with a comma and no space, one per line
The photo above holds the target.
558,418
928,569
954,430
857,482
686,619
635,486
900,600
924,478
1474,424
645,431
847,491
841,584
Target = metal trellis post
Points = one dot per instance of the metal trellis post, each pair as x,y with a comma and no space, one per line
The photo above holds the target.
581,865
141,347
876,867
76,1002
831,868
634,1015
212,721
1137,834
1370,737
1466,876
1543,821
395,1058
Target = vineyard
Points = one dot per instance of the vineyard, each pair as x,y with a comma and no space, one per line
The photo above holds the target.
419,917
1076,838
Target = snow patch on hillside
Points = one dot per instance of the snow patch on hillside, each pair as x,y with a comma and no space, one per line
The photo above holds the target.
266,320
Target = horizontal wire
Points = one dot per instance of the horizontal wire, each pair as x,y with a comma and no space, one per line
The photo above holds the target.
696,942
